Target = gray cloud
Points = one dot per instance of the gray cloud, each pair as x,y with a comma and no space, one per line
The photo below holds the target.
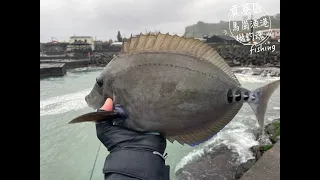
101,18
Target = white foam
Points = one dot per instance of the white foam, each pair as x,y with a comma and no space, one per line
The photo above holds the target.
238,140
271,118
64,103
196,153
242,68
255,79
85,69
237,135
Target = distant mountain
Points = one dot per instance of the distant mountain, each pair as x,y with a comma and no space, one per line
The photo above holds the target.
202,28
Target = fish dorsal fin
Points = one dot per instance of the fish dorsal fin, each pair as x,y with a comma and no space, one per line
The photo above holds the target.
179,45
201,135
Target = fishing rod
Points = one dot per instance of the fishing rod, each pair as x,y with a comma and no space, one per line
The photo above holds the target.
94,164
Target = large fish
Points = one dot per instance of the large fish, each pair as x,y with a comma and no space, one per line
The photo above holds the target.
176,86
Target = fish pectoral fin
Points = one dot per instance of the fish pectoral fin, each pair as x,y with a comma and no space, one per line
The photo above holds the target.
96,116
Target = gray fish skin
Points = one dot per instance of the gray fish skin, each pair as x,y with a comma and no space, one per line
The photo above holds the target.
164,97
182,96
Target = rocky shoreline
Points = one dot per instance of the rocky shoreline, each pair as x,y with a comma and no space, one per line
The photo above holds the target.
220,163
246,56
101,59
265,68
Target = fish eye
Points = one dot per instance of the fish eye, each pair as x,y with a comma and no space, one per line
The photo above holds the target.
229,96
99,82
238,95
246,96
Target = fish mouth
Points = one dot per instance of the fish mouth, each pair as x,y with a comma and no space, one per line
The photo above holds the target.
94,102
87,99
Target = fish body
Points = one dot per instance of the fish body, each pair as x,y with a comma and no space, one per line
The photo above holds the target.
179,87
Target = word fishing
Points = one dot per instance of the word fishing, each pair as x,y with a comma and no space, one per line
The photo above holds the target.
261,48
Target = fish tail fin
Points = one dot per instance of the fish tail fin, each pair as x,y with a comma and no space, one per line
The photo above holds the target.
96,116
259,101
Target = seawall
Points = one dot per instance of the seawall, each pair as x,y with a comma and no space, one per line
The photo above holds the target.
52,70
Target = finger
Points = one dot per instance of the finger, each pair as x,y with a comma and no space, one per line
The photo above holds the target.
108,105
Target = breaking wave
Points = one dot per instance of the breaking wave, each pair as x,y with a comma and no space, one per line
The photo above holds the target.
64,103
85,69
236,135
255,79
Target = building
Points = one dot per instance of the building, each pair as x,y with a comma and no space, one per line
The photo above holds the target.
41,47
81,42
102,46
79,46
116,44
55,47
274,34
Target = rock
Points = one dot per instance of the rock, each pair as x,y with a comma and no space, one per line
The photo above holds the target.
273,74
218,164
265,148
256,72
242,54
101,59
256,133
244,167
267,65
273,130
256,151
264,74
236,62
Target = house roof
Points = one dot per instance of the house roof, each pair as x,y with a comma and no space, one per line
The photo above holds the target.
74,37
55,44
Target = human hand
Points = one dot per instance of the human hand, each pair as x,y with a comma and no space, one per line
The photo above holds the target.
133,155
115,137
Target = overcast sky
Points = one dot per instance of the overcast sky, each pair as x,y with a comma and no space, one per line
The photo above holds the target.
103,18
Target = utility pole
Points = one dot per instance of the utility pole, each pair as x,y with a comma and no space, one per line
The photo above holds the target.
54,38
251,30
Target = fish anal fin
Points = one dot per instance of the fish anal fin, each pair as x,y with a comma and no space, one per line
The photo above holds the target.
201,135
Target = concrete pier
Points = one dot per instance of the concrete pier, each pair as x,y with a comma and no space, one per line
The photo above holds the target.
57,67
267,167
52,69
69,64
